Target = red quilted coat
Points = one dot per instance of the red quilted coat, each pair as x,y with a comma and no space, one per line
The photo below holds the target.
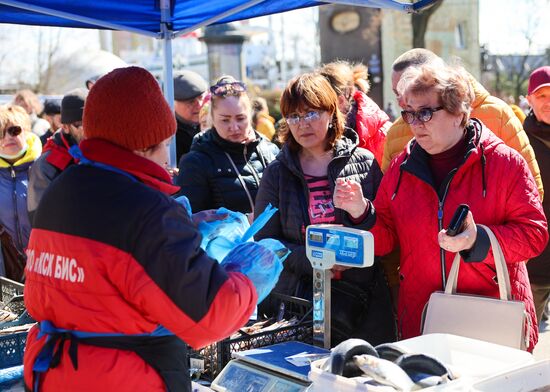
371,124
496,183
111,253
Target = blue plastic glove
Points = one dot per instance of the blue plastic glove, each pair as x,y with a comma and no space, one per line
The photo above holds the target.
261,262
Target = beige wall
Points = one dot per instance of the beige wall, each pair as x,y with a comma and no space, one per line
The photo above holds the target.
441,37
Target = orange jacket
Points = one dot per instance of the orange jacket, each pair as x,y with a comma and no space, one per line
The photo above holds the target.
495,115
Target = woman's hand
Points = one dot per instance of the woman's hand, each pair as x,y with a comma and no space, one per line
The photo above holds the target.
207,216
348,196
462,241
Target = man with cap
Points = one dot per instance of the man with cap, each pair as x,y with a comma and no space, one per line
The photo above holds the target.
189,90
52,114
537,126
114,262
55,154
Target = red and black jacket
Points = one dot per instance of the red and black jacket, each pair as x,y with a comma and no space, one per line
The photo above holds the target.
111,254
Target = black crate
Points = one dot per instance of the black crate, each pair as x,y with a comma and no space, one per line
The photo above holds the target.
215,356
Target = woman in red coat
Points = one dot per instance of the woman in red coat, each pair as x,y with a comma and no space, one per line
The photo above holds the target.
453,160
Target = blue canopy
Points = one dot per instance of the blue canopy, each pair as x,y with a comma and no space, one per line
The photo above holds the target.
147,16
165,19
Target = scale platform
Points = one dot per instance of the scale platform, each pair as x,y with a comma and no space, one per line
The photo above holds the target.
267,369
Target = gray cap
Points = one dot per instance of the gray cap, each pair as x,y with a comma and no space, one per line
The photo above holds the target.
72,106
188,85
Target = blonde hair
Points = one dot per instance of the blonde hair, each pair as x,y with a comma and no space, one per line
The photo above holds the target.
227,79
450,83
361,77
11,115
30,99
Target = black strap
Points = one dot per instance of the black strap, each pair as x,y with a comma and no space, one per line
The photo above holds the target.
166,354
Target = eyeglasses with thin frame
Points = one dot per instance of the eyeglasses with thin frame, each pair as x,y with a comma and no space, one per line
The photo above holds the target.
13,130
223,89
423,115
310,116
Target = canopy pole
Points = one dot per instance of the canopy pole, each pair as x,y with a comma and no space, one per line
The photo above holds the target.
78,18
167,71
396,5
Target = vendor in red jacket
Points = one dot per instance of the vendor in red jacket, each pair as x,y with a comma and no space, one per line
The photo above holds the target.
453,160
115,275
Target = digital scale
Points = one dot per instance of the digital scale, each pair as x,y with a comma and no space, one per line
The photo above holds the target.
284,367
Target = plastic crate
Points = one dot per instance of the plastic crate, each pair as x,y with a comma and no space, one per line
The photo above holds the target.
12,348
212,359
215,356
9,289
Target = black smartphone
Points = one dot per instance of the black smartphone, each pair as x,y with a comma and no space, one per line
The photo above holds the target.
457,222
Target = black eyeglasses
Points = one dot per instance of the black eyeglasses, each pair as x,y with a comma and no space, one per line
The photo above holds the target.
223,89
422,115
13,130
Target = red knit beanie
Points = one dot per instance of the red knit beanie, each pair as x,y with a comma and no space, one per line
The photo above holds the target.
126,107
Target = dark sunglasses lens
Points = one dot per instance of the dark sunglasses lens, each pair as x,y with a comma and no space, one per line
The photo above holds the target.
425,115
14,130
408,117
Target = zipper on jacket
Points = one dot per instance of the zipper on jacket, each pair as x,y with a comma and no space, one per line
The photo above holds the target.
252,170
441,203
19,238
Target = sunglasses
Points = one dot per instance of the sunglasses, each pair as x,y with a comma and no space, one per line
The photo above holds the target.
422,115
13,130
228,88
310,116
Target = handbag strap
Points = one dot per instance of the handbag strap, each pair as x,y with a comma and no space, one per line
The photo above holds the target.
241,180
503,278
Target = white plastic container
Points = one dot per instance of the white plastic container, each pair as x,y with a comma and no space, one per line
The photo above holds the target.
524,379
470,359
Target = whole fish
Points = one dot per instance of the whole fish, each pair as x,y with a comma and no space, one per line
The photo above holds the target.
384,372
424,370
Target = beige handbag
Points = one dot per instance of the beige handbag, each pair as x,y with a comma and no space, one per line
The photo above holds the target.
501,321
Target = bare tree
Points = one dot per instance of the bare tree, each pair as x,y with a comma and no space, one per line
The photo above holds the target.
420,24
524,68
48,48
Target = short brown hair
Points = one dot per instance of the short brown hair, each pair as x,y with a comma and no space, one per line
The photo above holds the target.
14,115
414,58
313,91
450,83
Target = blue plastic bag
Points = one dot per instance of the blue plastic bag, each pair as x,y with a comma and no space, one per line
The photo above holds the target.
219,237
261,262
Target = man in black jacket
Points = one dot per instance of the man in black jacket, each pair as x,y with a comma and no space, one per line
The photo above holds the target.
537,127
55,154
189,91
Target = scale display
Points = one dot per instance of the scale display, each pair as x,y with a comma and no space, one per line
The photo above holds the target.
282,367
327,245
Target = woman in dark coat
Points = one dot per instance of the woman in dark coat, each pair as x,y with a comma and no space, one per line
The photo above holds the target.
225,164
321,176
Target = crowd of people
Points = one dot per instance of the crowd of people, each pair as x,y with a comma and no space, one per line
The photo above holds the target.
89,182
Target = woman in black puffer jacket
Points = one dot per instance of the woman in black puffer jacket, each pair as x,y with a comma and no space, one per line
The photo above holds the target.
225,164
309,183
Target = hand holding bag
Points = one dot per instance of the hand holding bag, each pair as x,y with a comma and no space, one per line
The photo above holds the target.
502,321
